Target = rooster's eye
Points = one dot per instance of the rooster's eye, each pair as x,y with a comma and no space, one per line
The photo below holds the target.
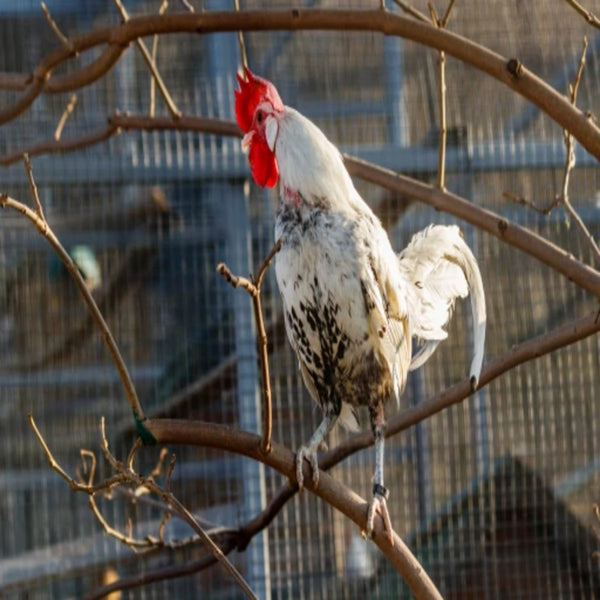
259,116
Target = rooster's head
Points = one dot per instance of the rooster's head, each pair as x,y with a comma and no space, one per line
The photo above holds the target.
258,108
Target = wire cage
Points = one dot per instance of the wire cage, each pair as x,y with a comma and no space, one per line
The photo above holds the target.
493,495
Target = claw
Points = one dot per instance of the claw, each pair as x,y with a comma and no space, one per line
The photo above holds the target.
306,452
378,505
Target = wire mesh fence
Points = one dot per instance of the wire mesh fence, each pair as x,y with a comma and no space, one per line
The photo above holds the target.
493,495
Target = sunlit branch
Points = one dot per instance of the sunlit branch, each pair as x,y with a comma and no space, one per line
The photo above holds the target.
253,288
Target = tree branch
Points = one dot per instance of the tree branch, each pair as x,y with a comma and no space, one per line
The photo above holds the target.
118,37
126,474
253,288
217,436
563,198
149,60
486,220
42,226
588,15
514,235
283,460
55,28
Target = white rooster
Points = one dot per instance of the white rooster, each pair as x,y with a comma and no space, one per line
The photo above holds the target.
351,304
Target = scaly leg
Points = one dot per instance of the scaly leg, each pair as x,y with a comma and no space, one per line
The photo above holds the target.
309,452
378,503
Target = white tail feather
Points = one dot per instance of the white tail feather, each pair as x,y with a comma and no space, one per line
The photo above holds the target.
441,268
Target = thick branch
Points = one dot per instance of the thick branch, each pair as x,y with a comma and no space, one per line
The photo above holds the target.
514,235
511,233
333,492
283,460
529,350
118,37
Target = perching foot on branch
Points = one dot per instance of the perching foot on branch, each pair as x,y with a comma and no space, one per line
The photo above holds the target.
310,454
378,505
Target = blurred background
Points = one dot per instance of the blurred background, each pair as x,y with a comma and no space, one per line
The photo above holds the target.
494,495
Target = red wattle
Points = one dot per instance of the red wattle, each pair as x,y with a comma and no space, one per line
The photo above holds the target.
263,163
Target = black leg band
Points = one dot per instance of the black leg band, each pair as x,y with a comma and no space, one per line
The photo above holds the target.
381,491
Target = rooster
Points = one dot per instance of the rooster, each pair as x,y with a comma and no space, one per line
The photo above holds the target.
352,306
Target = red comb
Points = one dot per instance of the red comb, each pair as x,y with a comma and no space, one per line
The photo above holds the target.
252,92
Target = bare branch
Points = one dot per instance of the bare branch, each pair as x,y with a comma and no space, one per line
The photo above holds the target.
161,10
63,119
59,34
588,15
241,43
33,188
116,39
283,460
218,436
253,288
43,227
486,220
162,88
408,9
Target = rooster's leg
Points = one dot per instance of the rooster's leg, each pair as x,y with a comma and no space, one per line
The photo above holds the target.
378,503
309,451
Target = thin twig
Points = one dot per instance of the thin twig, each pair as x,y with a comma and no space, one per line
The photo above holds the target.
187,516
163,7
588,15
443,127
73,484
59,34
542,210
42,226
63,119
570,159
187,5
126,474
568,137
413,12
563,198
162,88
494,223
443,131
33,188
253,288
446,16
241,42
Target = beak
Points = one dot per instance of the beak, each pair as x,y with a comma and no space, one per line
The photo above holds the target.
247,140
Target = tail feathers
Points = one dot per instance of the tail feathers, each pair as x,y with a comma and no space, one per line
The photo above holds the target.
441,268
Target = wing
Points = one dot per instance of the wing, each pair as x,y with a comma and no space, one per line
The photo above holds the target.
384,295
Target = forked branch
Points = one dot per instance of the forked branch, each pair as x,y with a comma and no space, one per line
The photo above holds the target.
563,198
253,288
125,474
